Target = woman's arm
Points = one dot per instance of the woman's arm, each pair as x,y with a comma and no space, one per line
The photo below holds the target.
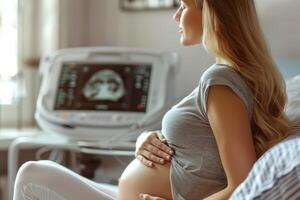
221,195
229,121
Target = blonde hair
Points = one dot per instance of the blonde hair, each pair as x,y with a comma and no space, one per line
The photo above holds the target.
232,32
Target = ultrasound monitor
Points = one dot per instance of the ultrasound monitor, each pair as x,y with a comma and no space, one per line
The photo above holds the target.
92,93
103,87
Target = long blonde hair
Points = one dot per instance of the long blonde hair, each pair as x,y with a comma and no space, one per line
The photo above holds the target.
232,32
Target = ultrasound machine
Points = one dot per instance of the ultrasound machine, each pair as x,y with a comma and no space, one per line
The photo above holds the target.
105,97
98,100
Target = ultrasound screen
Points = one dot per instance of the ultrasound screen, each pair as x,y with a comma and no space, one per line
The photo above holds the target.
107,87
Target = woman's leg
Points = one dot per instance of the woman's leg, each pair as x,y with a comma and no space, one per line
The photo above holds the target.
47,180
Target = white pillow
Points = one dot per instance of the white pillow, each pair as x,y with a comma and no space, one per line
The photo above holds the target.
275,176
293,104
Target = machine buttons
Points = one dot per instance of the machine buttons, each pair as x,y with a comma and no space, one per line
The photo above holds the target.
102,118
64,115
117,118
82,116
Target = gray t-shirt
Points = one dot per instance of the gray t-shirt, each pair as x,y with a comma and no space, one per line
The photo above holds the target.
196,168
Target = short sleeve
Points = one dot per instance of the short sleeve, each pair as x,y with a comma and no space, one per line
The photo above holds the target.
224,75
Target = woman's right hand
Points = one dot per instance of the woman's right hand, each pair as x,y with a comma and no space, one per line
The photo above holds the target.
151,147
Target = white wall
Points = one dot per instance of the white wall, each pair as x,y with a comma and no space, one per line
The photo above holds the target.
110,26
280,20
73,27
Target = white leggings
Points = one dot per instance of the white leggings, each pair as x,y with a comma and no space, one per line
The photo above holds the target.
47,180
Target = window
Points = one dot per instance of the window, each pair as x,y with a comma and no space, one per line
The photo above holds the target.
8,50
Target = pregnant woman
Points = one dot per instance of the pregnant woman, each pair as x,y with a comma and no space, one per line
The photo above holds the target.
210,140
226,123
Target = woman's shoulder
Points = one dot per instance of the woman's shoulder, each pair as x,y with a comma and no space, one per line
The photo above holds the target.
220,72
226,76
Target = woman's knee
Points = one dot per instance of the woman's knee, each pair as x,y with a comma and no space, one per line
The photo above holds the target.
28,167
31,182
34,167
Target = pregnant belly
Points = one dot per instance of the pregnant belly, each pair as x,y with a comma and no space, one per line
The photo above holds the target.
137,178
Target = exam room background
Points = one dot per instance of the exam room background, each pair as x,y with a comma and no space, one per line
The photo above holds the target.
103,23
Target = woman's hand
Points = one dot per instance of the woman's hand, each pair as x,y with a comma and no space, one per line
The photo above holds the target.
148,197
151,147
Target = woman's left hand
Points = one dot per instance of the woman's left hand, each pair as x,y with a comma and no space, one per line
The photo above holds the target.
148,197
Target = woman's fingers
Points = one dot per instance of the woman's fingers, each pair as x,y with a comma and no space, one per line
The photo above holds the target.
151,156
156,139
148,197
151,148
162,146
145,161
160,154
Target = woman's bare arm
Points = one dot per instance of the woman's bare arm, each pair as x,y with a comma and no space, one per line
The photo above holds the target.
229,120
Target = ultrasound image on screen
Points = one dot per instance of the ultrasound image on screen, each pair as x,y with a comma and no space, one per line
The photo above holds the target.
104,85
108,87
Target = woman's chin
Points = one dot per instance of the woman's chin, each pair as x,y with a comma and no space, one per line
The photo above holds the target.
185,42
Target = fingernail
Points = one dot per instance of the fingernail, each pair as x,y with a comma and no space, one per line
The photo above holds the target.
161,160
171,152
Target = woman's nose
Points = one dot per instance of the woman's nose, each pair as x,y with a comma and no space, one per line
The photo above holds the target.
176,16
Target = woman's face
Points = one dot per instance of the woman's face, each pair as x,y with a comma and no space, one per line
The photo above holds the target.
190,22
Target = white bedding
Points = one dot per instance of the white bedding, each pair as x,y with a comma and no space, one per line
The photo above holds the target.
293,104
